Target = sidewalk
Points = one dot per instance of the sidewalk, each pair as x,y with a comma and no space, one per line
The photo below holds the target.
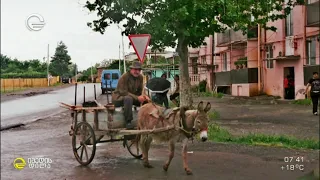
241,117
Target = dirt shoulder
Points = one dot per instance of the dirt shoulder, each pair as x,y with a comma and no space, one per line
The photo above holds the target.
30,92
242,116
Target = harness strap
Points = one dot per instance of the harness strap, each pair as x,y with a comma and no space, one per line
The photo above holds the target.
188,134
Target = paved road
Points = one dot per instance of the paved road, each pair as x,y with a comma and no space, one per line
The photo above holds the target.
49,139
27,109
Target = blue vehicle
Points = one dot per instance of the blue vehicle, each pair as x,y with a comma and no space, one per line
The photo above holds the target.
109,80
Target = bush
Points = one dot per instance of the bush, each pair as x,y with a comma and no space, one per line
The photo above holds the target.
24,75
218,95
303,102
194,88
203,86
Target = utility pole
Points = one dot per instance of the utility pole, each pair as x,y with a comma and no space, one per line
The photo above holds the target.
123,54
119,59
75,72
91,74
48,67
259,56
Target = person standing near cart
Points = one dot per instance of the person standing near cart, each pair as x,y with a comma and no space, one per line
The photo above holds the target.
162,98
176,92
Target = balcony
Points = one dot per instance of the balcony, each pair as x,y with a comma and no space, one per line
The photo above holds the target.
313,16
231,37
237,76
194,79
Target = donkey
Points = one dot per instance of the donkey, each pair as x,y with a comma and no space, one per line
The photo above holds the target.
187,124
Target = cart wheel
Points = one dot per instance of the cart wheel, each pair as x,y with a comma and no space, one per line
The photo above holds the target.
133,148
86,146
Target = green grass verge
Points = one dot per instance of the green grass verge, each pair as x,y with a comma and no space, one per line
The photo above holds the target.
303,102
218,134
211,94
11,90
213,115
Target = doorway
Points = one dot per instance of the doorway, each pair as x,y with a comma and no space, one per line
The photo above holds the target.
289,83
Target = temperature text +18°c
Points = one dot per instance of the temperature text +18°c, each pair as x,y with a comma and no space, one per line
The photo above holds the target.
292,167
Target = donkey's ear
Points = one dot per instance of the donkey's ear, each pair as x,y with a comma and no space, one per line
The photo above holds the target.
207,108
200,106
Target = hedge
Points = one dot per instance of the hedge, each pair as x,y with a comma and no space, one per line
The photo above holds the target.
24,75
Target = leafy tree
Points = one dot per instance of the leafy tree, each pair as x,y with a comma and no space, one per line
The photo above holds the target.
60,62
86,74
13,68
115,65
184,23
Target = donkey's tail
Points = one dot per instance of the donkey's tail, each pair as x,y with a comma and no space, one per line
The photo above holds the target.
138,137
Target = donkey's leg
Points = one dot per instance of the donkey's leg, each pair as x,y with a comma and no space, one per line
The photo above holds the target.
171,155
142,143
184,156
147,143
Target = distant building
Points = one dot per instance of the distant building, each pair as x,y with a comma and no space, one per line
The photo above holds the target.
104,65
149,54
248,65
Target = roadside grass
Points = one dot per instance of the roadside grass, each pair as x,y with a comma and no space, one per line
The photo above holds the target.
211,94
213,115
11,90
18,89
303,102
57,84
219,134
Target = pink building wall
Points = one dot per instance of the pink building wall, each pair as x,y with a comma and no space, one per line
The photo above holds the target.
203,72
252,53
273,78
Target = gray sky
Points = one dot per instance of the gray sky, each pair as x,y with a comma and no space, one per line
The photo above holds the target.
65,20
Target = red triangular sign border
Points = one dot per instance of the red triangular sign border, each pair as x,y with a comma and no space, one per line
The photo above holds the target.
134,47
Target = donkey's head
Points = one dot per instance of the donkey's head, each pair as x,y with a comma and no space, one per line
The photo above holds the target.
202,120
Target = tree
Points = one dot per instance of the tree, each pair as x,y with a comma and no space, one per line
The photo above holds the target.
184,23
60,62
14,68
86,74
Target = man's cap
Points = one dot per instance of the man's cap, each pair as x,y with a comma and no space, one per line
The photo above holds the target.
136,65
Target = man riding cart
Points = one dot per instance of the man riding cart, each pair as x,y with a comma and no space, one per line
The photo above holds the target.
129,92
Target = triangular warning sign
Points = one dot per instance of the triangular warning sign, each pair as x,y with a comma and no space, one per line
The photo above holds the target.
140,44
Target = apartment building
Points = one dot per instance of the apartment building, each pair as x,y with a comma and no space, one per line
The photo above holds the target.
292,50
201,66
248,65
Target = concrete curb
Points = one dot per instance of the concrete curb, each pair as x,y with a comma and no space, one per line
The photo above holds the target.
11,126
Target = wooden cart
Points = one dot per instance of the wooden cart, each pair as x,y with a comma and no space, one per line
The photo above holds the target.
94,123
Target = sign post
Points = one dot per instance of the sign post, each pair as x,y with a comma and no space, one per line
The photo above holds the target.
140,44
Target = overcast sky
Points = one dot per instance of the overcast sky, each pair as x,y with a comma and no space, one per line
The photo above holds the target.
65,20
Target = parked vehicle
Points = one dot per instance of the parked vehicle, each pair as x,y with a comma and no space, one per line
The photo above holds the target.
65,80
109,80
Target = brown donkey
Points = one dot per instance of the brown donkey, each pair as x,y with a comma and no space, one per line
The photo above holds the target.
187,124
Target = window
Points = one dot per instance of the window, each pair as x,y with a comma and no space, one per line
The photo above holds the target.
106,76
115,76
312,1
269,56
311,51
289,24
225,61
203,60
194,62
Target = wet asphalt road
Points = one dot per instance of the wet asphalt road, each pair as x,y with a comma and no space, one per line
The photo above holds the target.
28,109
49,139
